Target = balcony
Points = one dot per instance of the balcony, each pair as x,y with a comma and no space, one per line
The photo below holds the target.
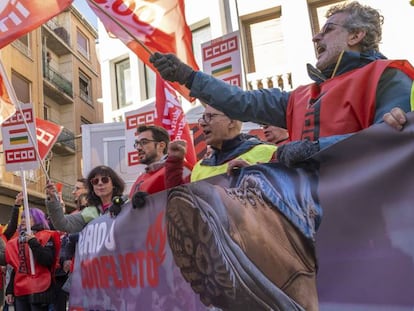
57,37
57,87
65,144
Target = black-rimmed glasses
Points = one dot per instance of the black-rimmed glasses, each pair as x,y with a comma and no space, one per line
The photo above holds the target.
144,142
206,117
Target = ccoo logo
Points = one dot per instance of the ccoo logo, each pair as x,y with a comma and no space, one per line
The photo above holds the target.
12,13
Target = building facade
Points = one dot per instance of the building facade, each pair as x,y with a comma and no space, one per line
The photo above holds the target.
56,68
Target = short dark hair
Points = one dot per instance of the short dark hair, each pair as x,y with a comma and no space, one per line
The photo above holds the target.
158,133
117,182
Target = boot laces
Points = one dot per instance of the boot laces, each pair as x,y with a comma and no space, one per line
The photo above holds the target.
248,191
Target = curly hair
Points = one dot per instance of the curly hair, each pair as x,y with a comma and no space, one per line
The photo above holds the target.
361,17
117,183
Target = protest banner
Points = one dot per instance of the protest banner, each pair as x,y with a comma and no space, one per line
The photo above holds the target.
363,245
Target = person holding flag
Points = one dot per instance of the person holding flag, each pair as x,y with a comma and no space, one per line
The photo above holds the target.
31,283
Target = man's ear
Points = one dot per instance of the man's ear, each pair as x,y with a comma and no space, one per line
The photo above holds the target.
232,123
162,145
356,37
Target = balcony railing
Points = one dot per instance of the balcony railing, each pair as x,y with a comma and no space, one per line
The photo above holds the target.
67,139
282,81
59,30
57,80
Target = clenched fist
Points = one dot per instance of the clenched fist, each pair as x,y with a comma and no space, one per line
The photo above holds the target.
171,68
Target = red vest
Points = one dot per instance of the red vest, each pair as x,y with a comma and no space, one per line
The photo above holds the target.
28,283
341,105
152,182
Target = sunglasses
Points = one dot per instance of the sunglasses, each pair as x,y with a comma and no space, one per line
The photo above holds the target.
104,179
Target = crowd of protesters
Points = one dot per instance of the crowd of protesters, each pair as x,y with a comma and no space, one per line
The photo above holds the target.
38,259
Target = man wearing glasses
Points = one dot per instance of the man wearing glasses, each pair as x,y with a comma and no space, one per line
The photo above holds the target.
151,144
230,149
354,87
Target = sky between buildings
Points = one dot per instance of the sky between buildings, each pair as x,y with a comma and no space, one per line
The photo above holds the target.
84,8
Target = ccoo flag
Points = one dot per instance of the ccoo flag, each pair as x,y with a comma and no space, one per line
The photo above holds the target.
170,115
19,17
47,134
147,27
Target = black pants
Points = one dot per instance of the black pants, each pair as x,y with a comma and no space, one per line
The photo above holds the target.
22,304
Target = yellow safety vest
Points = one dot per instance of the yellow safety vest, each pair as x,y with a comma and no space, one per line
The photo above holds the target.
258,154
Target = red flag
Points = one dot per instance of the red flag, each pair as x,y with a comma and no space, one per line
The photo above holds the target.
147,27
19,17
170,115
7,99
46,133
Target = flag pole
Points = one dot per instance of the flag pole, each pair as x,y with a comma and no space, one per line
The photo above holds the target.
120,25
27,217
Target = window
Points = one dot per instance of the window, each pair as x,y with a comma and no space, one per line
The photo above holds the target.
123,83
317,12
85,88
83,44
200,36
23,44
264,42
149,82
46,112
21,87
84,121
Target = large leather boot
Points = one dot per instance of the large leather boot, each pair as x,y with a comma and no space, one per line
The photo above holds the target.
237,251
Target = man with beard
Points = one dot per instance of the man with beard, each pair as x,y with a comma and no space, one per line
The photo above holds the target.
152,145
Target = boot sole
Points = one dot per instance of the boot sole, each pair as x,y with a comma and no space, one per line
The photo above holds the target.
215,266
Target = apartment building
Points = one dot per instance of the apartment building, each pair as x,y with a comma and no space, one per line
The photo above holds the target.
56,68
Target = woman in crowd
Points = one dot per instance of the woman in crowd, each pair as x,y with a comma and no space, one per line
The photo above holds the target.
103,185
31,283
